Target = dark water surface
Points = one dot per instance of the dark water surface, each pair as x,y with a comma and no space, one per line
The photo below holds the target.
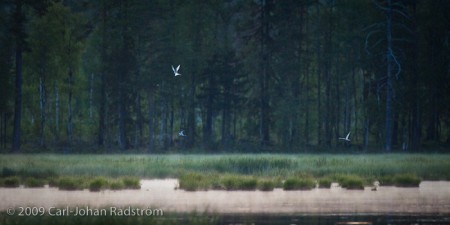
229,219
333,219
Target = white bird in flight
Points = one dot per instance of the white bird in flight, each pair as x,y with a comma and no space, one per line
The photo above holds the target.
346,138
181,133
175,71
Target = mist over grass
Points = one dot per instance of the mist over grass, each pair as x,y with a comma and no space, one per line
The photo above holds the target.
367,166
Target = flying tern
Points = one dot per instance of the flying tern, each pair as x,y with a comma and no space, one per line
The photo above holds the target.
181,133
346,138
175,71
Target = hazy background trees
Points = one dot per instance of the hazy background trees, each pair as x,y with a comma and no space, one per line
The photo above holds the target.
263,75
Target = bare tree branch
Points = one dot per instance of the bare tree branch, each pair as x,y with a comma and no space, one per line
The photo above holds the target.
399,67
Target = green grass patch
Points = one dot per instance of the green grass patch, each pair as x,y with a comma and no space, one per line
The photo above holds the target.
116,185
11,182
195,181
299,183
98,184
266,185
387,180
71,183
53,182
130,182
8,172
324,182
406,180
34,182
351,182
236,182
366,166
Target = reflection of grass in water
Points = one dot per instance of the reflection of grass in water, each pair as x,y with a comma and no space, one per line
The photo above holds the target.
367,166
213,219
164,219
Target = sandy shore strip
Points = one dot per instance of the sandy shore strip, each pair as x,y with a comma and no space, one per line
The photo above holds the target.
432,197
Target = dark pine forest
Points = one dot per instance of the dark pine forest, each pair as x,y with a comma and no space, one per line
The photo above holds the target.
256,75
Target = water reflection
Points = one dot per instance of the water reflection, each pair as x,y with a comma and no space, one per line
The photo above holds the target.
333,219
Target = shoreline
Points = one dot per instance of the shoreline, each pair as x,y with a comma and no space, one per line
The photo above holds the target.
430,198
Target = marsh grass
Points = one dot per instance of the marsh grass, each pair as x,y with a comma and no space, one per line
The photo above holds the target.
53,181
238,182
8,172
98,184
299,183
266,185
231,182
324,182
71,183
116,185
34,182
11,182
387,180
196,181
351,182
367,166
131,182
406,180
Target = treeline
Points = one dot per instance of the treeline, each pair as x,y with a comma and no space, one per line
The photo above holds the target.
263,75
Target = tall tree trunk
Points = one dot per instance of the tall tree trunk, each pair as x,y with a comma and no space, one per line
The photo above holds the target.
163,124
208,129
389,85
121,115
102,110
138,122
355,100
226,117
42,107
18,17
70,113
191,114
3,128
91,94
319,82
327,74
414,137
307,129
56,111
171,123
264,111
151,109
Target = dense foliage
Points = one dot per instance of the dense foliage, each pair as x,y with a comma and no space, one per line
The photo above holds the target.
256,75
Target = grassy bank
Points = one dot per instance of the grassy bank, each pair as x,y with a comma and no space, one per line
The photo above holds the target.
368,166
